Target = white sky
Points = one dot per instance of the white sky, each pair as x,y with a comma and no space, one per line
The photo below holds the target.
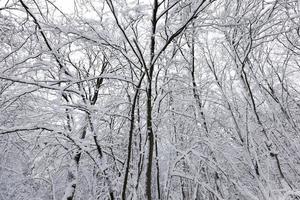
67,6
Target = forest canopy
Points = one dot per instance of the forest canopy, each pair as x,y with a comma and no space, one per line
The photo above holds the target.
149,99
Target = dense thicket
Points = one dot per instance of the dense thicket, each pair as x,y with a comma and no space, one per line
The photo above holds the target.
169,99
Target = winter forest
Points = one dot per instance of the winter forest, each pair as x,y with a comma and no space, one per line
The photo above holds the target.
149,99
